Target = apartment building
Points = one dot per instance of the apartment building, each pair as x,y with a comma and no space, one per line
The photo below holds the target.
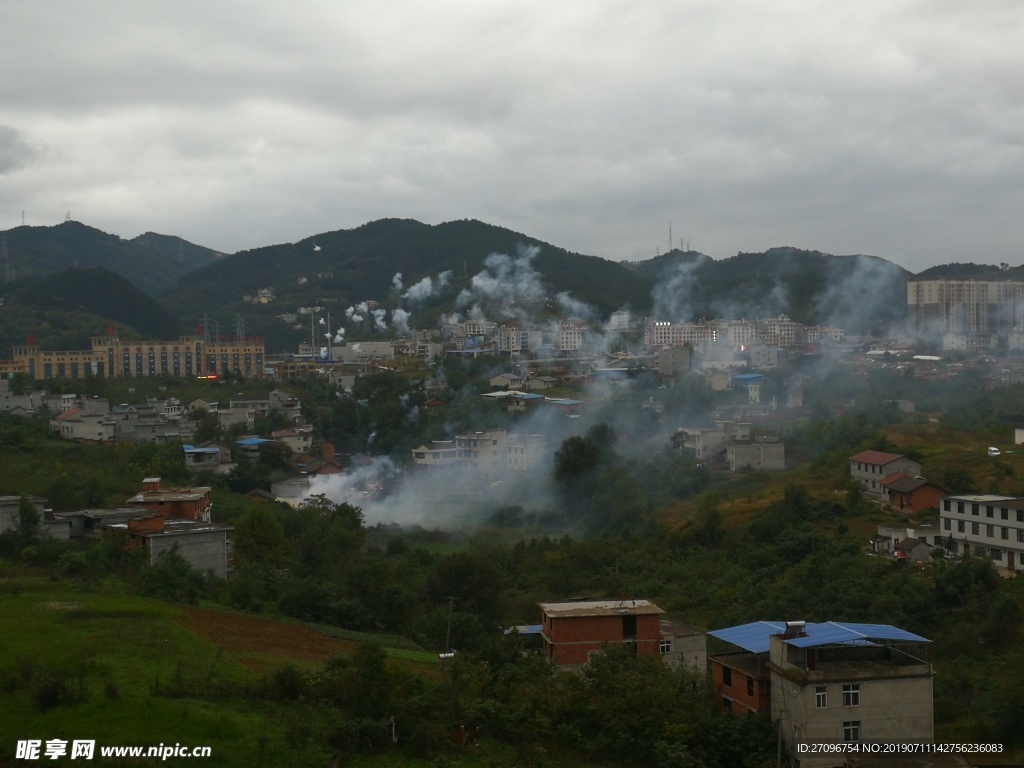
871,468
110,357
985,525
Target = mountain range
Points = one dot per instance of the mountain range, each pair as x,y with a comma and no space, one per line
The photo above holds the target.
82,275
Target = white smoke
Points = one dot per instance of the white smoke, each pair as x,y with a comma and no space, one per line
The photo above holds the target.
379,323
397,281
426,287
400,321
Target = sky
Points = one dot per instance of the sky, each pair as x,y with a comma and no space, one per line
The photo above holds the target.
886,127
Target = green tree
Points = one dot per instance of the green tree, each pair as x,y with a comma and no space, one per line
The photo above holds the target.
259,536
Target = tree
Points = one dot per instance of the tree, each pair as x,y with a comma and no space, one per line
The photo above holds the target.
259,536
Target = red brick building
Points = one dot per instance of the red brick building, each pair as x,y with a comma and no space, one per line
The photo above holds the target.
186,503
912,494
573,631
742,682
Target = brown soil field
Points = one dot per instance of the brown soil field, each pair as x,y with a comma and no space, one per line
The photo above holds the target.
262,643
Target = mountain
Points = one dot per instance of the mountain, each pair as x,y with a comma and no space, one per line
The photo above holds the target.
342,268
64,310
151,261
862,294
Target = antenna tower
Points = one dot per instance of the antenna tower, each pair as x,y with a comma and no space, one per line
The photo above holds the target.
240,327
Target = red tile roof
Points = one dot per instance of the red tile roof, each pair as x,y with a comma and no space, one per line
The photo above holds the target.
878,458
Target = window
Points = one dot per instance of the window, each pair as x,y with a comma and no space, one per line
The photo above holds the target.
990,531
1020,515
851,695
665,646
947,524
989,511
726,676
947,505
1020,534
975,509
960,507
727,704
1004,513
851,730
996,554
821,697
974,529
1004,533
959,526
750,686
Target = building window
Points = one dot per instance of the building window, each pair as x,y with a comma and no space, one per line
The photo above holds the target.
959,526
947,505
851,730
851,695
974,529
997,554
665,646
821,697
975,509
727,705
1004,533
726,676
750,686
990,531
989,511
1020,534
1020,515
1004,513
947,524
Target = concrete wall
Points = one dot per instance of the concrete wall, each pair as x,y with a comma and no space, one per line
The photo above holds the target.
204,550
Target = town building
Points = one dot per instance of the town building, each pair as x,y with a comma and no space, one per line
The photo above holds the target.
110,357
985,525
204,545
185,503
683,646
828,683
869,468
763,453
575,630
965,307
912,494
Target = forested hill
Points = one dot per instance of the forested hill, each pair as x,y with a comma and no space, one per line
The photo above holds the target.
359,264
151,261
64,310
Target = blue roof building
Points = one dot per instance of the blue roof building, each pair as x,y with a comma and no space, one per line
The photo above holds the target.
828,682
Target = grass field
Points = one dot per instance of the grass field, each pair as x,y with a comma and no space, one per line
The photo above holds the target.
125,670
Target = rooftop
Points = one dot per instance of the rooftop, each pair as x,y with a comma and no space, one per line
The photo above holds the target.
876,457
601,608
754,637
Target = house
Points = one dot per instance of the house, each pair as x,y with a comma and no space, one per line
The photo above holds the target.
249,447
575,630
672,361
10,508
683,645
912,494
200,459
539,383
987,526
436,455
832,682
88,523
506,380
203,544
299,439
185,503
869,468
913,551
765,453
75,424
290,406
708,442
740,676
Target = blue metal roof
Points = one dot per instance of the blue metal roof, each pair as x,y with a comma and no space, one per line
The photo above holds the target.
754,637
751,637
253,441
193,449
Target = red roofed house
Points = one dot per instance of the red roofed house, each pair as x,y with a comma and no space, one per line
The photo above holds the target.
869,468
572,631
912,494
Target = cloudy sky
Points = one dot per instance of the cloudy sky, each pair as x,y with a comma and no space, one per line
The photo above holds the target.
889,127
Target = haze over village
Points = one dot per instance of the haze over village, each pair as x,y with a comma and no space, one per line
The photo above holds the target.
583,386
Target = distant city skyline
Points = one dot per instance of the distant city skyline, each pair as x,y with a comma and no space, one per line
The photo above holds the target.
884,128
